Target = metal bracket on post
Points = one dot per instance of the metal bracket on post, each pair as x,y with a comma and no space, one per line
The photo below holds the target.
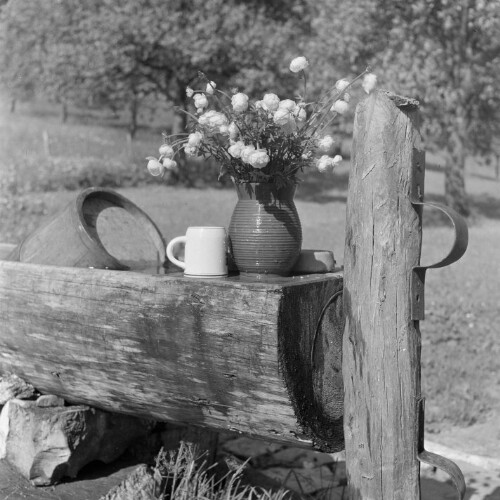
459,245
417,287
429,458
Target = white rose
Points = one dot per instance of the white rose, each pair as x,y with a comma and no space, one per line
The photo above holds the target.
301,114
205,118
298,64
258,159
246,152
214,121
236,149
210,88
195,139
218,120
189,91
233,131
326,143
200,101
271,101
166,151
336,160
342,84
191,150
369,82
239,102
169,164
287,104
282,117
323,163
340,106
155,167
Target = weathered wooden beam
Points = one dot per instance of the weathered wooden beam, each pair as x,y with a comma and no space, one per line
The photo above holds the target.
226,354
381,354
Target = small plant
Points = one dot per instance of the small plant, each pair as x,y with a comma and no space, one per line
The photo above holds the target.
268,140
181,475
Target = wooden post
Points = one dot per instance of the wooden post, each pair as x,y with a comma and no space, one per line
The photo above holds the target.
381,346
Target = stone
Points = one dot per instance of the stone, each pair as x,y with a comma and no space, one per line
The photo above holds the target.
11,386
49,400
46,444
139,485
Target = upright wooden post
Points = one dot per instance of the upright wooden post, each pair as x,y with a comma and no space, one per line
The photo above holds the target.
381,346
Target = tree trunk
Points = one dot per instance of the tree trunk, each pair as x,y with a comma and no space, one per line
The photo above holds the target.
180,119
179,126
454,187
64,112
454,184
134,110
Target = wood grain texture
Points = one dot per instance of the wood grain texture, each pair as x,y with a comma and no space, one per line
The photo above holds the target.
381,353
215,353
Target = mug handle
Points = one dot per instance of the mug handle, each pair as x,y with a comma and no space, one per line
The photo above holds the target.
170,248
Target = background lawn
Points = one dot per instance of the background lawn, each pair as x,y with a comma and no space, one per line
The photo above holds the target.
460,341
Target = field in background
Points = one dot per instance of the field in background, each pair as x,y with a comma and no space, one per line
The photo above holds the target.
42,162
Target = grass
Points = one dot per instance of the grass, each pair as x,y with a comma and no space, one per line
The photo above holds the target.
460,347
182,476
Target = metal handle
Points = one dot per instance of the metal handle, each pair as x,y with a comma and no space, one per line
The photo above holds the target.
445,464
458,248
460,242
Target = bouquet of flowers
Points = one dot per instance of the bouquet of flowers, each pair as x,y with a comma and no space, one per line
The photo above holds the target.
268,140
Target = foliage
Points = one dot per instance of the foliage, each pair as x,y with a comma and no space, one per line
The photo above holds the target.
444,53
117,53
42,48
450,60
268,140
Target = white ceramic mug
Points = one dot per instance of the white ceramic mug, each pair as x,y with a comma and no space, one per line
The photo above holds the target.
205,252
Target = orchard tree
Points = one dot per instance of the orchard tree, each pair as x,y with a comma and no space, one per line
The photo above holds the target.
41,49
117,53
446,53
160,46
20,74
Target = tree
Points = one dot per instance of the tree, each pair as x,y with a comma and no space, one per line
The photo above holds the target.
445,53
117,53
165,44
41,49
448,56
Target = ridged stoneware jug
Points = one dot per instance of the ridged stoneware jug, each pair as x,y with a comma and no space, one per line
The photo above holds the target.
265,232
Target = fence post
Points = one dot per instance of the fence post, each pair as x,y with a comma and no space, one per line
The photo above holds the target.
381,350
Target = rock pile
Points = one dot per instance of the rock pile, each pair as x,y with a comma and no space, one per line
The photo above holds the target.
45,440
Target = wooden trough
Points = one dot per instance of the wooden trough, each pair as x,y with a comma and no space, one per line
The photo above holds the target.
255,357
